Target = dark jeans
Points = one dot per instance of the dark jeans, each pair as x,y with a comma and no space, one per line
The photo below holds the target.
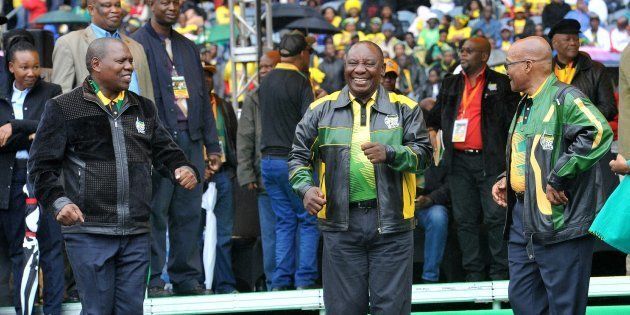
296,264
51,262
364,271
49,240
12,230
268,235
555,280
224,281
434,221
111,271
471,196
179,210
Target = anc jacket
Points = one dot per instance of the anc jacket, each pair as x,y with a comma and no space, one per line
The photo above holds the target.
101,161
324,135
566,135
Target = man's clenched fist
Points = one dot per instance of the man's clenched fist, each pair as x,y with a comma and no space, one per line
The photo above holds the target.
70,214
186,177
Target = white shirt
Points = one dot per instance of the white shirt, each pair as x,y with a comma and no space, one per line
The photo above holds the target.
619,39
603,38
17,101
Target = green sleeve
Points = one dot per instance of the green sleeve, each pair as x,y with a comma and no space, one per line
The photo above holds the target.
303,154
589,137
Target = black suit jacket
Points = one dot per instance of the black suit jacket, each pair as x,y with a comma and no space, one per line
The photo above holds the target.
498,105
22,129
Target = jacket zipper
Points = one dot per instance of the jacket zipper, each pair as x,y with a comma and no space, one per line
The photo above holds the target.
379,227
116,149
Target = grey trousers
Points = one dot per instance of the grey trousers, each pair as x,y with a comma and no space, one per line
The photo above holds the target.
364,271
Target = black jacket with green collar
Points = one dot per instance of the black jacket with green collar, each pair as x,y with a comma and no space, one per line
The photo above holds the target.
323,137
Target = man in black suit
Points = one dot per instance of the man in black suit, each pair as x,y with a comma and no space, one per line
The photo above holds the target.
20,112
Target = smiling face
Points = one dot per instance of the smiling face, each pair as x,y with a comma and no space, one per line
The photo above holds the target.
364,69
25,68
106,14
115,68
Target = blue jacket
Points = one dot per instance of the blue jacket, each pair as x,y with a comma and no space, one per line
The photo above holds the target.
201,124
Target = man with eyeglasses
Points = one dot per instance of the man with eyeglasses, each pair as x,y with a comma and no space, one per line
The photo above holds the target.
473,110
183,103
555,140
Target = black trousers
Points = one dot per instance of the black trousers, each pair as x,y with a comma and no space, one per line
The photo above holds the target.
179,210
471,196
50,246
111,271
554,280
364,271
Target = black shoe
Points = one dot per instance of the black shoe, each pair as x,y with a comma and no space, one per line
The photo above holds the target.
425,281
158,292
308,287
73,297
195,290
284,288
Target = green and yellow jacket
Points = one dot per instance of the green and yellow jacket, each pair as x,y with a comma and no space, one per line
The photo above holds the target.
565,135
323,138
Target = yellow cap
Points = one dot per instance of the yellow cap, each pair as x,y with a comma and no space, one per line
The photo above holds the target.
352,4
391,66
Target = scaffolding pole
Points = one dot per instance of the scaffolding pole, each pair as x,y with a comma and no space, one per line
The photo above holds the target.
248,45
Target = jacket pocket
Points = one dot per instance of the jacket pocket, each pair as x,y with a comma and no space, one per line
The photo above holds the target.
140,187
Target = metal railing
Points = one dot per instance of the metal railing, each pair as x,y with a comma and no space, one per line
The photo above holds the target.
491,293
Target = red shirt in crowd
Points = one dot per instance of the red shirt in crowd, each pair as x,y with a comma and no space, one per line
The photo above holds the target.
470,108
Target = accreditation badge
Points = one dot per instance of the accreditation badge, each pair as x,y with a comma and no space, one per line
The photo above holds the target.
459,130
179,87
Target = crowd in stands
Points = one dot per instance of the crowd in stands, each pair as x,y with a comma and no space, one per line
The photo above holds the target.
422,42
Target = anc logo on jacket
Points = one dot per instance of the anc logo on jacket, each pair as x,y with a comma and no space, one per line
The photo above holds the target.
391,121
546,142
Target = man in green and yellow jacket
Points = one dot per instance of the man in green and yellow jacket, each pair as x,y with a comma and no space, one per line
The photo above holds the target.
556,137
368,144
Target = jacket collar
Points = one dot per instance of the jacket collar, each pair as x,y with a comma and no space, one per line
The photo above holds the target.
582,61
90,95
382,104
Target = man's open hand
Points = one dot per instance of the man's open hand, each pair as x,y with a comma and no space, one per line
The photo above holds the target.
499,192
69,215
186,177
375,152
314,200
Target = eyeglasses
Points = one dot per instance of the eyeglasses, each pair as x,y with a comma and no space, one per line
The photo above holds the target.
508,64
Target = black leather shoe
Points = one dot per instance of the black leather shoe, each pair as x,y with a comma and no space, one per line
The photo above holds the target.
196,290
158,292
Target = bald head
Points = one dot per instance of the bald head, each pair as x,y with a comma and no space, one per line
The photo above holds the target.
528,63
481,43
98,49
532,48
110,64
474,54
376,49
